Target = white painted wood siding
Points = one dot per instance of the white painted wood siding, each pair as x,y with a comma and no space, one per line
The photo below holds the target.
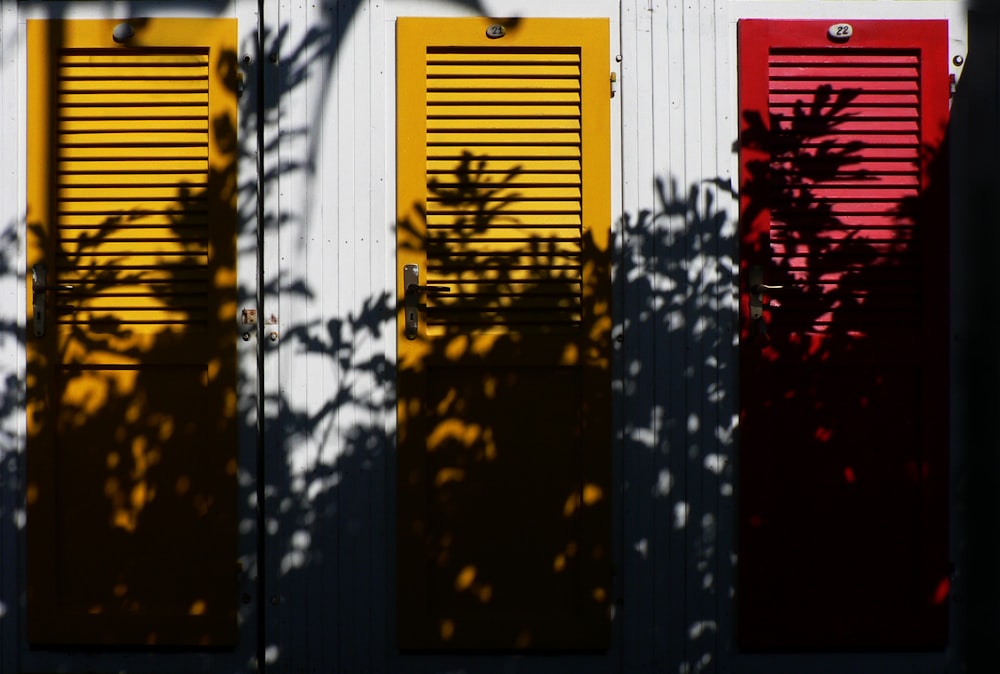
328,352
677,283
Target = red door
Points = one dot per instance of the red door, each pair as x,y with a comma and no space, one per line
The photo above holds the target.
844,319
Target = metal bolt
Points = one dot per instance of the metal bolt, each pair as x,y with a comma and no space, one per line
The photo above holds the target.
246,336
958,60
274,336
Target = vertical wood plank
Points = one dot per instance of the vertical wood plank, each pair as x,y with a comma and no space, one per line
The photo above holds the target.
639,465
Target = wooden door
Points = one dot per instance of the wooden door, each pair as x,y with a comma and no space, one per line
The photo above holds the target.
844,349
504,387
131,459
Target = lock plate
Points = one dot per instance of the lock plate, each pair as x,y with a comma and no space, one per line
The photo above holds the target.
411,280
38,289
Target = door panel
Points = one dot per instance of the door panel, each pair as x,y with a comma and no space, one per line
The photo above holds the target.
131,456
844,361
504,385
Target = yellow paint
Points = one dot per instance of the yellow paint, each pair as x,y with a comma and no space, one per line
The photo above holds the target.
446,402
456,347
123,519
571,354
446,475
454,430
571,504
483,344
139,457
199,607
504,198
214,367
127,324
465,578
592,493
489,445
166,430
139,498
229,409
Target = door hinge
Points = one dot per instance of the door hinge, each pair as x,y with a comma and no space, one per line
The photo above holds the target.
614,81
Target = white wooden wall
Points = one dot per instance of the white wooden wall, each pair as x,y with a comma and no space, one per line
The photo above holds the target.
317,251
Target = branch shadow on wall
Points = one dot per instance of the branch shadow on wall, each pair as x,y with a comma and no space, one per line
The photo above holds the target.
843,454
504,447
131,467
492,526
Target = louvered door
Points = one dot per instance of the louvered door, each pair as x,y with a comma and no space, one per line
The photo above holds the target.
843,453
504,452
131,341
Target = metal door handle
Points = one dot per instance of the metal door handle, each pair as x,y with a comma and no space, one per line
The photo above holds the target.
40,286
757,287
412,291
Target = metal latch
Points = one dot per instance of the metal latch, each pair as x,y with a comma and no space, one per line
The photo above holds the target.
411,302
755,279
38,288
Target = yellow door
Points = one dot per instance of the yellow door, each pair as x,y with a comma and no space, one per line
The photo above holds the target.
504,329
131,487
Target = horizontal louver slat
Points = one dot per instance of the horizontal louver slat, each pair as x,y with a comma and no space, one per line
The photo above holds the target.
845,179
504,200
131,202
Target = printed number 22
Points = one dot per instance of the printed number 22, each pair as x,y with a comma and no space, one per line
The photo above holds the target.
840,31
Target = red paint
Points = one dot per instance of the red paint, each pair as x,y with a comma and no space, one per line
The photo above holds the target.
941,592
843,204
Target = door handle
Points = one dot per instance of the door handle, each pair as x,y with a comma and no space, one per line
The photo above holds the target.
411,299
757,288
39,287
